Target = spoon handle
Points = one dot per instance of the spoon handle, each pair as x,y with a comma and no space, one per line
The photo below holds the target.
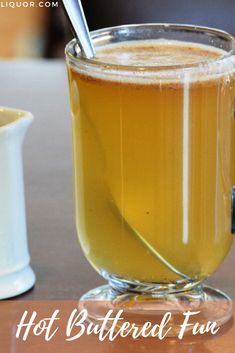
75,13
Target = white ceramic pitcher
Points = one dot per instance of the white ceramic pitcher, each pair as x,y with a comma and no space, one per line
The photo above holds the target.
16,276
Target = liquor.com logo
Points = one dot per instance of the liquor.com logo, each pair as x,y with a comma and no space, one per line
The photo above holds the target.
25,4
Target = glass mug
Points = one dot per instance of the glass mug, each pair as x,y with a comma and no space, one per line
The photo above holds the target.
153,149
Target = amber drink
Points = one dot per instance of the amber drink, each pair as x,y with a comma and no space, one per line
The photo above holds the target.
154,156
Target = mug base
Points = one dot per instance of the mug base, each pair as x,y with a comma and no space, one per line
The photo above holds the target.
16,283
198,308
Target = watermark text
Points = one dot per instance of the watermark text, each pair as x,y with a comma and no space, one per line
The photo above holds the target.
28,4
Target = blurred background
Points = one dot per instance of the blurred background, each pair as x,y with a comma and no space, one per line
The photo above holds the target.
43,31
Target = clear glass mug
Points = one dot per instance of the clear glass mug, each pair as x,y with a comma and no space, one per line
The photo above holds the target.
154,167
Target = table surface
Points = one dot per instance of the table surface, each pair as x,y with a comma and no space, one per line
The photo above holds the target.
61,269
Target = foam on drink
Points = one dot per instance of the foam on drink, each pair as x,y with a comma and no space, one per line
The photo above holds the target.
157,53
154,61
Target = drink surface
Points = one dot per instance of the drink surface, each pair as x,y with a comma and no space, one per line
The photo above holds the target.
154,164
156,53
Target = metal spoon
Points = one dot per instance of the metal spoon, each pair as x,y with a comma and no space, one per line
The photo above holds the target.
75,14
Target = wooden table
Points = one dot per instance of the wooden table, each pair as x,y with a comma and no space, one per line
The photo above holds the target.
61,269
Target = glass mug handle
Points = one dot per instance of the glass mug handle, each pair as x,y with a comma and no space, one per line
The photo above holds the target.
233,211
